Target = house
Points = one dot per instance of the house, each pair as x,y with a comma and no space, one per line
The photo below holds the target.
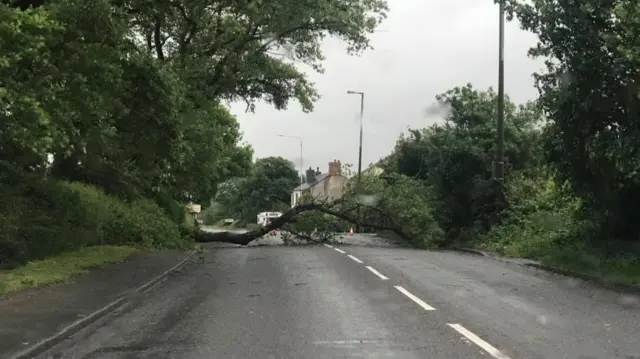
321,186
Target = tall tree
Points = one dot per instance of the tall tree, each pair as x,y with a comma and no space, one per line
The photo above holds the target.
590,94
124,89
455,158
269,186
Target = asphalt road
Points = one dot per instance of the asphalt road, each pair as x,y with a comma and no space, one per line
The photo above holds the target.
357,302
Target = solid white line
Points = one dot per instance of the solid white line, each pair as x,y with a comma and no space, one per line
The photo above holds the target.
478,341
418,301
380,275
326,245
354,258
83,322
149,289
340,250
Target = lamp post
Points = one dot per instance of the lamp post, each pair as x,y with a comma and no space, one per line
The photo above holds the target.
359,148
499,164
301,163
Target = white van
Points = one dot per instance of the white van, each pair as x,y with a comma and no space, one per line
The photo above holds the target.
265,218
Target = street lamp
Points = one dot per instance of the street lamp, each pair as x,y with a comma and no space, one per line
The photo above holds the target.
360,148
499,165
301,163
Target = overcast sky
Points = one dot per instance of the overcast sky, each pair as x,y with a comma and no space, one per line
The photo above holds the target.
425,48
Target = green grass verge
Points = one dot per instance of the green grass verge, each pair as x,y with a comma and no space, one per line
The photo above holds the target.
622,267
61,268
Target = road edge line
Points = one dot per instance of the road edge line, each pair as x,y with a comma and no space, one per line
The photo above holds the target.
47,343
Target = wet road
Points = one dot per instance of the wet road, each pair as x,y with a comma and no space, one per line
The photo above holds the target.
356,302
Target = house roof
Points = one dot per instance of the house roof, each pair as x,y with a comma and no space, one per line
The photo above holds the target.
319,178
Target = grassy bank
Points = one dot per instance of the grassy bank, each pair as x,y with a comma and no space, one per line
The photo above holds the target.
613,268
42,218
543,223
61,268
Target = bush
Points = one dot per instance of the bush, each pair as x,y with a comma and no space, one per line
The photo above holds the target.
40,218
171,208
542,220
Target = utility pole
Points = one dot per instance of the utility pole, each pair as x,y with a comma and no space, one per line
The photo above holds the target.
301,163
499,164
359,149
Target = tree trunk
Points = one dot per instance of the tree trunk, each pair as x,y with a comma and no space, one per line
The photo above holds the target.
247,237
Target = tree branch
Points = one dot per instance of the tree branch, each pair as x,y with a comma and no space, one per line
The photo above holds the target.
298,234
247,237
157,38
187,34
252,35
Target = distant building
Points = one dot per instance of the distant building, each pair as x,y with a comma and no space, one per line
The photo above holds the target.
322,186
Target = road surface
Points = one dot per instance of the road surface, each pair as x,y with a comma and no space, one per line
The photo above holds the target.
358,302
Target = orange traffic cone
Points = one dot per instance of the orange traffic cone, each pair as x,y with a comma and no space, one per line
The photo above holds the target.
351,231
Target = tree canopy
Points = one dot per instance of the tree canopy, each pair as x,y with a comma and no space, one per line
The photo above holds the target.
589,93
130,96
133,91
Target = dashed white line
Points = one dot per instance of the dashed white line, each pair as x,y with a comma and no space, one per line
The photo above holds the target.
380,275
327,245
418,301
354,258
340,250
478,341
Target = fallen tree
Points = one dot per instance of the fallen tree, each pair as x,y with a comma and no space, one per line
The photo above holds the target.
288,217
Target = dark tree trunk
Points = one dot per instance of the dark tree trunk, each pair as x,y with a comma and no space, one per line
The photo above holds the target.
247,237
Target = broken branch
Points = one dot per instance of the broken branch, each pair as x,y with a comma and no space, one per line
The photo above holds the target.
249,236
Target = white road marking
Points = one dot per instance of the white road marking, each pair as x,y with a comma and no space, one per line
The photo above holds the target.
418,301
340,250
478,341
354,258
380,275
326,245
154,286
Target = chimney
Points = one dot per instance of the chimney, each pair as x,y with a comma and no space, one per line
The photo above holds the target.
311,176
318,173
335,168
